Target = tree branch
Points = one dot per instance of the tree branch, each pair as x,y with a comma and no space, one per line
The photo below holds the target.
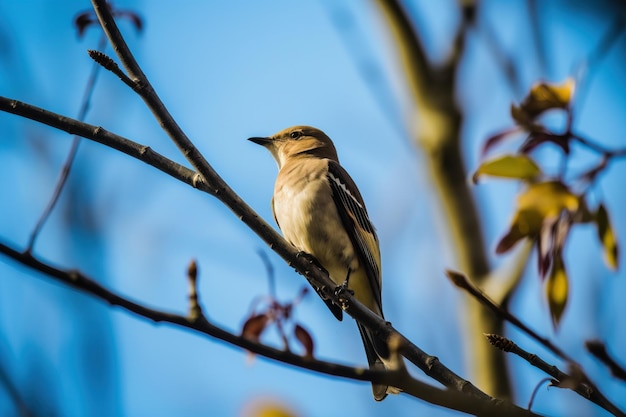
316,277
588,391
197,322
577,381
598,350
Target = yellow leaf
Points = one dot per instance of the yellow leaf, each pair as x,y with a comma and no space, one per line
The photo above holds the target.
557,290
509,166
540,201
548,199
542,97
607,237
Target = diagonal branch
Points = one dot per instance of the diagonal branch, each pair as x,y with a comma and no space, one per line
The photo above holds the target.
71,156
577,381
598,350
589,391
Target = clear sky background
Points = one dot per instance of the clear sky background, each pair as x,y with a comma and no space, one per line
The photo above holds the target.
228,71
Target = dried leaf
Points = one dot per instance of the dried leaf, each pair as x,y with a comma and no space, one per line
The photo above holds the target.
254,326
607,237
540,204
542,97
557,290
509,166
304,337
514,235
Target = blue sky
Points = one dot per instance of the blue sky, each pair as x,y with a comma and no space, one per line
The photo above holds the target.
228,71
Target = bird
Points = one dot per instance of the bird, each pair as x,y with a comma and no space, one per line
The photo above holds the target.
320,211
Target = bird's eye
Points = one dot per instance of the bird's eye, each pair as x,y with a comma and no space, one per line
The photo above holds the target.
295,134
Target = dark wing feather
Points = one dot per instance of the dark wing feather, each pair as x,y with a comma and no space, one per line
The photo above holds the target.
357,223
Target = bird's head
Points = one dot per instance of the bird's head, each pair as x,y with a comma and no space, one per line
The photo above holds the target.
298,141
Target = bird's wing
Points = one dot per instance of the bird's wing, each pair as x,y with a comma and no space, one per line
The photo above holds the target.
357,224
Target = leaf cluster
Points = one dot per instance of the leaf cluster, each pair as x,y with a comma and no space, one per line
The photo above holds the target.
548,206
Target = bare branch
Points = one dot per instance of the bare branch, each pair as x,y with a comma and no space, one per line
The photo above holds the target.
598,349
13,393
67,165
461,281
506,345
577,381
107,63
100,135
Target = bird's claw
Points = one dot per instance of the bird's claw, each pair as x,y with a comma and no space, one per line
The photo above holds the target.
343,288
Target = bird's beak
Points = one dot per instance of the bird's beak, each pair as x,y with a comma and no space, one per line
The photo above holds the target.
261,141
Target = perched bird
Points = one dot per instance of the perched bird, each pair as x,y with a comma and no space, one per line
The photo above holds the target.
320,211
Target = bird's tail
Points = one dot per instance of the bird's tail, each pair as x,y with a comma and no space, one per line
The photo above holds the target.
375,350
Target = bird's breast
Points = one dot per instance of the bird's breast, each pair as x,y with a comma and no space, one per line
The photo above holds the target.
308,218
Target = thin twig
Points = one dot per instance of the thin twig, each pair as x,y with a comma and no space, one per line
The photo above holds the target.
503,60
577,382
598,350
583,70
461,281
596,147
14,395
100,135
533,394
195,310
536,32
269,269
108,64
69,160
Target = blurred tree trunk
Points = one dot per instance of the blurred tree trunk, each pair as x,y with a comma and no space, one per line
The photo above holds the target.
438,134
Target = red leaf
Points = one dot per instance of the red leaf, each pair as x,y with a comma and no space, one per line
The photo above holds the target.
254,326
305,339
510,239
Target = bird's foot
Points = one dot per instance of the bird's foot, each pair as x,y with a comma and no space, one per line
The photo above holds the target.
343,289
340,292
